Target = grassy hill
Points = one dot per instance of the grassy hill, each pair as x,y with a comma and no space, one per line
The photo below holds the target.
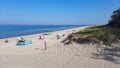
97,34
104,34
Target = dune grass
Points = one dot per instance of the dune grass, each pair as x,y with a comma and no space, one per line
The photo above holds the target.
97,34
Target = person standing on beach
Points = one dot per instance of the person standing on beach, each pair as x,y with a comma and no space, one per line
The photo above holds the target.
43,37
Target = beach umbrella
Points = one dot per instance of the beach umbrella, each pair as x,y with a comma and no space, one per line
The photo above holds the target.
49,33
18,38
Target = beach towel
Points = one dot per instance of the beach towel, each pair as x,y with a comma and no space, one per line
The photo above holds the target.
26,42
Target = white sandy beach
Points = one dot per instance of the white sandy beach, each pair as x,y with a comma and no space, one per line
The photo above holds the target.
57,55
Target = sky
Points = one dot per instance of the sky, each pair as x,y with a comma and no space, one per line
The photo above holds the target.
57,12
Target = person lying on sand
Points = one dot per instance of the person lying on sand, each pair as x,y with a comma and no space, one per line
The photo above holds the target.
63,35
58,37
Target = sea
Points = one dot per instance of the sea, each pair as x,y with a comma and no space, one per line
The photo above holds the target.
20,30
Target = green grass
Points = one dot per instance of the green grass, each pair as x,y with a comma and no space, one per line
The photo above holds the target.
97,34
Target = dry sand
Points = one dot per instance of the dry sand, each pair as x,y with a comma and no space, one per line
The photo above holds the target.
56,55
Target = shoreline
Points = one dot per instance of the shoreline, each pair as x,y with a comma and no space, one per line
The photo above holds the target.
43,32
38,32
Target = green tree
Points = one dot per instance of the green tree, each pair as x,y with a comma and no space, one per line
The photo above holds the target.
115,19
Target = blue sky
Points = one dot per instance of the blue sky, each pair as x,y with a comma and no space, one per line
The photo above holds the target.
57,12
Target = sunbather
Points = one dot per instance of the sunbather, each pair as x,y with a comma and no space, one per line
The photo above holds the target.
58,37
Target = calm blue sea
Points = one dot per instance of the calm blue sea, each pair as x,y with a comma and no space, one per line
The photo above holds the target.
18,30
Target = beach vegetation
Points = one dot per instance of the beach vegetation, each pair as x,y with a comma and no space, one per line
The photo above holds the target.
103,34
